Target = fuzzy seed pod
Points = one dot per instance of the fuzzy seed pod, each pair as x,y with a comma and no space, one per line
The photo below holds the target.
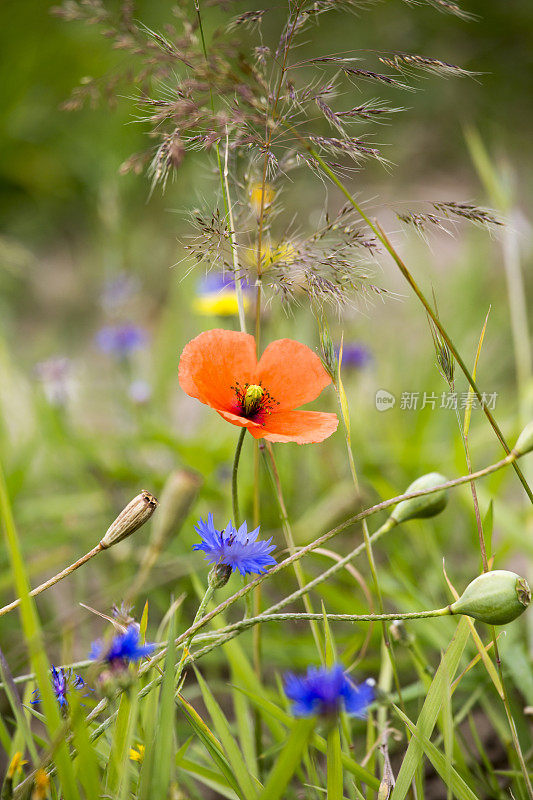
136,513
496,597
428,505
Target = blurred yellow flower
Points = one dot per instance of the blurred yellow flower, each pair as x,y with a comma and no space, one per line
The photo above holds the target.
284,252
17,762
41,785
256,193
223,304
137,754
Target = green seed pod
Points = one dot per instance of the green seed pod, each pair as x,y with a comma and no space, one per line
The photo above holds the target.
496,597
524,443
428,505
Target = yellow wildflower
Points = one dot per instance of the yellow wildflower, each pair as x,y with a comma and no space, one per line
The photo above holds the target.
137,753
256,193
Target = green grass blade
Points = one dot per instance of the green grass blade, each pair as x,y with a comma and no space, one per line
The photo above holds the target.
449,775
164,739
210,742
34,641
288,760
223,731
431,709
335,777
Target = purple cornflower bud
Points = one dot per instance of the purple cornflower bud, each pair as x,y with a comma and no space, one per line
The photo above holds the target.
326,691
123,650
63,682
236,548
355,355
121,341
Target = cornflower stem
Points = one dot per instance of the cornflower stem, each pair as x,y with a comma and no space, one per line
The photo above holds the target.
376,228
289,539
223,174
234,483
56,578
209,592
343,406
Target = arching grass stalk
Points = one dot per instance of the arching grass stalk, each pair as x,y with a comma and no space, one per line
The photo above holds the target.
289,539
383,238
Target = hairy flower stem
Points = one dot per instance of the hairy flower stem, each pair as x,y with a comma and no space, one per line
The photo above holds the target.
59,577
290,560
234,483
383,238
223,173
209,592
287,531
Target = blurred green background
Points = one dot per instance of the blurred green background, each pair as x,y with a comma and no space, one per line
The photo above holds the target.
72,226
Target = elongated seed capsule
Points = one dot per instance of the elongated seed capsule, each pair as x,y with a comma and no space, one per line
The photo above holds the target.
136,513
428,505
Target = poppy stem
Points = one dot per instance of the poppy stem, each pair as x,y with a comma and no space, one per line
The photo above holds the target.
234,487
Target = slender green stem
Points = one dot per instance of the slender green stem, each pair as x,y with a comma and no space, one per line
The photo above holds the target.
223,174
234,485
384,504
366,536
383,238
289,539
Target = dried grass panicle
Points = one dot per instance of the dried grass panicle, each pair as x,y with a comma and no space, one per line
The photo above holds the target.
403,61
469,211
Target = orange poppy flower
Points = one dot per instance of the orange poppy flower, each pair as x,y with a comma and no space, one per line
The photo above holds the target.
220,368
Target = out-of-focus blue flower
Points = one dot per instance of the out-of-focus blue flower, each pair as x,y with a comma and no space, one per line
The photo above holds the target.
121,340
234,548
63,682
216,294
140,391
55,375
355,355
325,691
118,291
124,649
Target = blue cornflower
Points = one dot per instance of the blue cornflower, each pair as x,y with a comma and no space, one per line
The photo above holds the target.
325,691
121,340
124,649
63,681
355,355
235,548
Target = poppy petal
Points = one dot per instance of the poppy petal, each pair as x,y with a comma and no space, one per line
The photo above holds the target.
302,427
292,373
213,362
236,419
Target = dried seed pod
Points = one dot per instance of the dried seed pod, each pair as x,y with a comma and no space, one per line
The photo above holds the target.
136,513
